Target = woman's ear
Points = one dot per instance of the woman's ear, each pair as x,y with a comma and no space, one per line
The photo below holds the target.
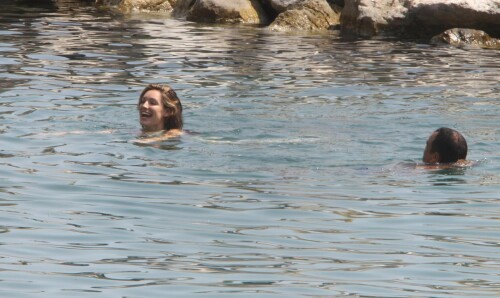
167,113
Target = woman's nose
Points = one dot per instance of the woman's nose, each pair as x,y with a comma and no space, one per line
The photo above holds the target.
145,104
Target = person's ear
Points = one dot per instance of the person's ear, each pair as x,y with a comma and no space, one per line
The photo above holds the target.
432,158
167,113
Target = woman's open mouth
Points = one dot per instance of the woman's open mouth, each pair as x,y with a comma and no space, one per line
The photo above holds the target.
146,114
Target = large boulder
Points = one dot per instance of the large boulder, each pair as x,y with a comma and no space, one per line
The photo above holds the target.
224,11
436,16
418,17
306,15
460,37
368,18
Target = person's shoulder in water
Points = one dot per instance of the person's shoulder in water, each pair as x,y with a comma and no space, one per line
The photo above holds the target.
445,148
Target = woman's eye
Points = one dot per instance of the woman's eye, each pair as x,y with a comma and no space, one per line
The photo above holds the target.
151,101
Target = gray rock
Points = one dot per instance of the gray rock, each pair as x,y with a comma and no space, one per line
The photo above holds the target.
436,16
224,11
368,18
461,37
418,17
306,15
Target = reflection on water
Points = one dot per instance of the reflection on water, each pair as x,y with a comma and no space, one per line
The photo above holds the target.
293,179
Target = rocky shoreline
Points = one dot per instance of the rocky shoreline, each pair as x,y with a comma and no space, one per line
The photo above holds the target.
455,22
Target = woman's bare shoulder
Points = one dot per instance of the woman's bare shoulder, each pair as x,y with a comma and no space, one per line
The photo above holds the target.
160,138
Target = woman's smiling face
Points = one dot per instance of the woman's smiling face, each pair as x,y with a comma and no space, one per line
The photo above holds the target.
152,113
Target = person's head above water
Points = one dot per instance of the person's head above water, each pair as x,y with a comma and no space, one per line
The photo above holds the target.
159,108
445,145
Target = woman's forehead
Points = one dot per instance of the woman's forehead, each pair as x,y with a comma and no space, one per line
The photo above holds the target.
152,94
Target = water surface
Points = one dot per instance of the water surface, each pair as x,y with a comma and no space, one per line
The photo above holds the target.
297,177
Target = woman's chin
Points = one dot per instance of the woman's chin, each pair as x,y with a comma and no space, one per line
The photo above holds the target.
144,121
147,126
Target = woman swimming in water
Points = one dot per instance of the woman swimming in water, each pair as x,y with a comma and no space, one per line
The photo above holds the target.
160,110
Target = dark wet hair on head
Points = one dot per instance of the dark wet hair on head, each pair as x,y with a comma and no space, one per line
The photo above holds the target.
449,144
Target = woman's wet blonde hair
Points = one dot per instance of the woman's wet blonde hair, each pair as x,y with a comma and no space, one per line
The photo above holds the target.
170,102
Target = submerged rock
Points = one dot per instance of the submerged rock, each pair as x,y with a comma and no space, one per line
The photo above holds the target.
309,15
460,37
